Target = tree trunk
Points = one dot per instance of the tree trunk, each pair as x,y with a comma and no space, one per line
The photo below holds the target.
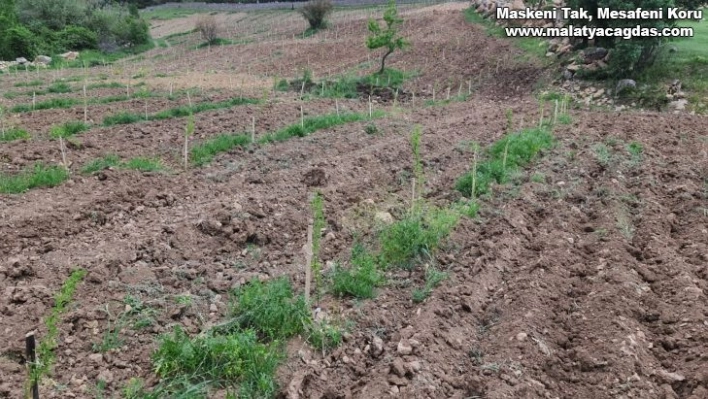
383,61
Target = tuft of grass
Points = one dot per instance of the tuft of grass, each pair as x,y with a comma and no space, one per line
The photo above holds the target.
59,87
39,176
203,153
108,161
361,278
636,151
602,154
325,336
68,129
122,118
433,278
270,308
144,164
313,124
13,134
45,350
236,361
419,234
504,158
565,119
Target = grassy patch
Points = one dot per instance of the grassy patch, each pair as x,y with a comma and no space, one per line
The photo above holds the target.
203,153
532,46
68,129
47,345
13,134
144,164
685,59
271,309
47,104
433,278
361,278
90,58
418,234
124,118
164,13
59,87
504,158
39,176
313,124
237,361
31,83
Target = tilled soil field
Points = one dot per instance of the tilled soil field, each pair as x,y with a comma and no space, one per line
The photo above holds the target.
586,277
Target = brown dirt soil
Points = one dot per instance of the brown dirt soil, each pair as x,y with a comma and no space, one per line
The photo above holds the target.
586,278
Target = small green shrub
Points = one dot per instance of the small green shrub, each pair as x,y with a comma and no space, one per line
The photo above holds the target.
315,12
203,153
371,128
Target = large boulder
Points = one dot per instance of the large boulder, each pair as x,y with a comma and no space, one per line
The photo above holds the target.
21,60
43,59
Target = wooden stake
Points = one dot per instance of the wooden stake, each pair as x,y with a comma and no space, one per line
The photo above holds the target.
302,117
371,109
31,352
63,153
336,104
253,129
308,261
85,104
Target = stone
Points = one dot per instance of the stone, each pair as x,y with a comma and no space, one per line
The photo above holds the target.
521,336
404,347
594,54
383,217
21,60
377,347
398,368
625,84
43,59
